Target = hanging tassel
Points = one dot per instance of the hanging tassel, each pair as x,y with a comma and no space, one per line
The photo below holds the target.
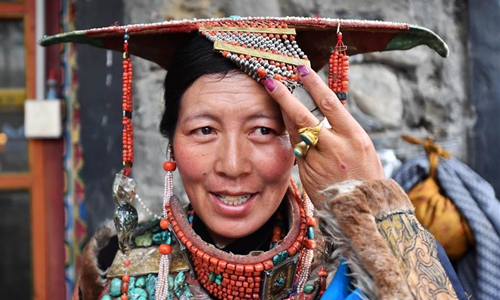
338,79
165,249
128,132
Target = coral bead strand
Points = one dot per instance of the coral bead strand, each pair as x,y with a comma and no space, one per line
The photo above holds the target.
338,75
128,132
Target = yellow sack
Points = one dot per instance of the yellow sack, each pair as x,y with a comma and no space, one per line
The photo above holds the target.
436,212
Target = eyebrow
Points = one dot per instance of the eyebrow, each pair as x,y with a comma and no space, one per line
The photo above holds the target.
201,116
262,116
217,119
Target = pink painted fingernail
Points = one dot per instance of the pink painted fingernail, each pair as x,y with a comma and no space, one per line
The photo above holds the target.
303,70
270,84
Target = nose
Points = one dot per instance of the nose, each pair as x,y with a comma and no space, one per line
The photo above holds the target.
233,159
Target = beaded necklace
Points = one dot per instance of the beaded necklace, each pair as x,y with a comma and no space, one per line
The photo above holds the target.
275,274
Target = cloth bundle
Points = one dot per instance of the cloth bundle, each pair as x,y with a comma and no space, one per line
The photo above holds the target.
479,268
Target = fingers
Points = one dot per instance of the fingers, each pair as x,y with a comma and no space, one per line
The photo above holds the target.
297,112
338,117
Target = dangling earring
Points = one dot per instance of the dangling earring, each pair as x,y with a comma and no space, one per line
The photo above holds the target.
165,249
338,79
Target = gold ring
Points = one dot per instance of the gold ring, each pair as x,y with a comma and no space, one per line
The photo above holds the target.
300,149
310,135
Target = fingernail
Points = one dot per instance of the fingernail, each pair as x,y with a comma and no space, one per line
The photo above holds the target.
303,71
270,84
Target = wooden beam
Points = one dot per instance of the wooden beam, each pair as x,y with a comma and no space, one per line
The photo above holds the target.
8,9
54,177
15,181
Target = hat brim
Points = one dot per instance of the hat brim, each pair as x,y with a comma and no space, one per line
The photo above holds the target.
157,42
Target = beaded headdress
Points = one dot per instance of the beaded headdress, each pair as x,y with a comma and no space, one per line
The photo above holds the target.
261,48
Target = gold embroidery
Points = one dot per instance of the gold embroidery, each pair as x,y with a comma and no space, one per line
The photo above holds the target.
416,252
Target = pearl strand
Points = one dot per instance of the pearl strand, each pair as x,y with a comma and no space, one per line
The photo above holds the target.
145,208
308,253
162,283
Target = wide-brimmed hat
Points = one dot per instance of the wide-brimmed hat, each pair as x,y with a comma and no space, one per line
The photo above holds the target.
157,42
264,47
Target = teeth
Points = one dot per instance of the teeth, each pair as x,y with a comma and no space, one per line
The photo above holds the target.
234,200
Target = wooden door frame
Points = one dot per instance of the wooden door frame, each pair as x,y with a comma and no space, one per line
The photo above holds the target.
44,180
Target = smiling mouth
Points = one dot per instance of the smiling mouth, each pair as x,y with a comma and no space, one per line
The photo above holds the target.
233,200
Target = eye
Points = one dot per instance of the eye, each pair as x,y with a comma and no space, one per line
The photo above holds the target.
206,130
264,130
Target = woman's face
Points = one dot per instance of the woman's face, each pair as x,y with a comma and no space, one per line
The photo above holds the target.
233,154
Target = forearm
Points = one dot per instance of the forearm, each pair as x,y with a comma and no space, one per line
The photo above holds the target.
390,254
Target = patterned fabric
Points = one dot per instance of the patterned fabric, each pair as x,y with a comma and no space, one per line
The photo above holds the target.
408,241
479,269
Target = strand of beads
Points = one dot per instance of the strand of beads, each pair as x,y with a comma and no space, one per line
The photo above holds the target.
128,133
145,208
309,245
125,282
278,232
165,249
338,79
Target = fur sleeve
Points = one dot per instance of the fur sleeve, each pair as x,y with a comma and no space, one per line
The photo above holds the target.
389,253
96,259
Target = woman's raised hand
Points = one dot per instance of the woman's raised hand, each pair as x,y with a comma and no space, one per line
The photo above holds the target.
344,151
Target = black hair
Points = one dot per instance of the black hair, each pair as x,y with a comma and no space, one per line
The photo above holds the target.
195,59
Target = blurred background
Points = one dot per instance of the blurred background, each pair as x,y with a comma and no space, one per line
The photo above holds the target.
54,193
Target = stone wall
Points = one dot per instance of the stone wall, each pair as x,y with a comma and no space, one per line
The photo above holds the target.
415,92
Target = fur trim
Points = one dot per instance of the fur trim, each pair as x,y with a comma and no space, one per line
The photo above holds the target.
355,205
93,277
390,255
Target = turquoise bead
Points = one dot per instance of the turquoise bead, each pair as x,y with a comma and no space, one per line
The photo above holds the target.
140,282
115,289
310,233
106,297
279,282
218,279
179,284
138,294
308,288
164,237
211,277
171,281
179,280
151,284
131,283
280,257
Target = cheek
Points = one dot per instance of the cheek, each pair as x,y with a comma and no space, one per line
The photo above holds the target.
277,162
190,163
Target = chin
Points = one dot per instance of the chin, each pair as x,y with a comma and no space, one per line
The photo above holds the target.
233,231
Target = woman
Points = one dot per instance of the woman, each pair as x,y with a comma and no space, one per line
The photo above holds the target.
247,232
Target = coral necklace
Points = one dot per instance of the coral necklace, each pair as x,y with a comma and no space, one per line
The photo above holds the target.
270,275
